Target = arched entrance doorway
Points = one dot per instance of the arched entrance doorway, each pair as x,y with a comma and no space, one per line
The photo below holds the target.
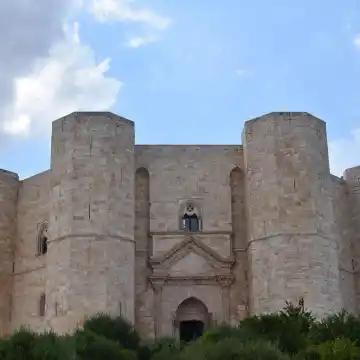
192,318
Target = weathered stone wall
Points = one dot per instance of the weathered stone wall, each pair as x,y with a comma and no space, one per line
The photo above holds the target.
203,175
9,183
189,172
239,293
91,256
272,207
352,178
144,317
29,271
292,250
343,232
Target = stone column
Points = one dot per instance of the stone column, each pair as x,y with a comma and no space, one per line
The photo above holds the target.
225,283
158,288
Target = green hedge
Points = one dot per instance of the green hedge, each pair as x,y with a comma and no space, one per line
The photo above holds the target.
292,333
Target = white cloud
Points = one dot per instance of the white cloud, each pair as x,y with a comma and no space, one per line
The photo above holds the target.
356,41
137,41
69,79
243,73
45,70
344,153
126,11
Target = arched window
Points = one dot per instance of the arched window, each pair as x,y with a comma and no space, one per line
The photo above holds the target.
43,239
191,223
190,219
42,304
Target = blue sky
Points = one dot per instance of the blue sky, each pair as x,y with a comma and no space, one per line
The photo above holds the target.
192,72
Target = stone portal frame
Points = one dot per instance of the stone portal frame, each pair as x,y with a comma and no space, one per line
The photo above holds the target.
212,291
191,309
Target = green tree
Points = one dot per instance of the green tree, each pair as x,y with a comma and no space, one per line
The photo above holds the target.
116,329
91,346
338,349
232,349
288,328
340,325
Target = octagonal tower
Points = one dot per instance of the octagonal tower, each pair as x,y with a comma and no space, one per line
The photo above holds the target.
91,253
292,250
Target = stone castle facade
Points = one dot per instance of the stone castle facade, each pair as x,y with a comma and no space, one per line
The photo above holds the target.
178,237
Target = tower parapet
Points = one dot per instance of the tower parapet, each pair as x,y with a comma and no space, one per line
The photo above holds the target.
91,252
9,185
292,250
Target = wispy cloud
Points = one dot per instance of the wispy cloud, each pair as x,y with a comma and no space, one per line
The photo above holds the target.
126,11
137,41
344,152
243,73
356,41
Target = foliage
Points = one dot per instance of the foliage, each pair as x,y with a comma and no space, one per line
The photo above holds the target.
338,349
341,325
289,329
116,329
91,346
292,333
232,349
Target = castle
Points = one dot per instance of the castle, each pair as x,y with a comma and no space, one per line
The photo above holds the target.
178,237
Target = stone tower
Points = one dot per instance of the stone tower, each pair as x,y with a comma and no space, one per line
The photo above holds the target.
9,184
91,252
291,247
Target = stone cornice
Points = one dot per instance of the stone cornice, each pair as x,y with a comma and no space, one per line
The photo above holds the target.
224,280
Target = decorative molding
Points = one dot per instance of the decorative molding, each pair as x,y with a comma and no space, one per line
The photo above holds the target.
180,250
225,280
159,281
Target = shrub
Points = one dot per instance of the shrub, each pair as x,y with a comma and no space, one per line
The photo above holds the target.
338,349
232,349
341,325
289,328
116,329
91,346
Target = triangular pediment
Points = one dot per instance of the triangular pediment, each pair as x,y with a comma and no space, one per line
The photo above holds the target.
192,264
190,257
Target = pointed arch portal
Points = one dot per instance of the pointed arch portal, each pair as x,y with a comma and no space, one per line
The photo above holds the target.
192,318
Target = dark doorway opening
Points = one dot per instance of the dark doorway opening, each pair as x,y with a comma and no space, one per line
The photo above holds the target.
191,330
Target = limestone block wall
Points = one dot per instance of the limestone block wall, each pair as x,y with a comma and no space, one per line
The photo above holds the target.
29,270
91,256
9,183
189,172
144,319
352,178
343,232
239,292
292,250
204,174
